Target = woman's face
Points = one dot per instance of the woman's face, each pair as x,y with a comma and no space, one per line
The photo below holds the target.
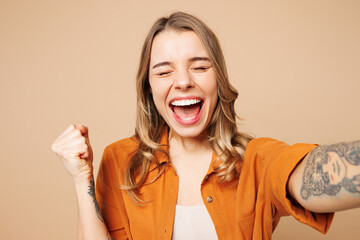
335,167
183,82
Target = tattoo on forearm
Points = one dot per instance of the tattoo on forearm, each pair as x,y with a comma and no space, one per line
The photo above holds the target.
330,168
91,192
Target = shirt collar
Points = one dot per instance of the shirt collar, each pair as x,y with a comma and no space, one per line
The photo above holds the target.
215,163
164,145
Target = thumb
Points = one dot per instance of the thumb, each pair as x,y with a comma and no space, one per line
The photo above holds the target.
83,129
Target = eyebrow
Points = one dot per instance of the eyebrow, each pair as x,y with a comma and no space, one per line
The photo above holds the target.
194,59
199,59
161,64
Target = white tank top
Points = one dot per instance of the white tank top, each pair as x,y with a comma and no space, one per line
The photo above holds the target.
193,223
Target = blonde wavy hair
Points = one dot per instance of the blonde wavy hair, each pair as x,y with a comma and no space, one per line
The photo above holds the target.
226,141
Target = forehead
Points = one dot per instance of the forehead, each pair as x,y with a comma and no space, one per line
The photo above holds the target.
175,46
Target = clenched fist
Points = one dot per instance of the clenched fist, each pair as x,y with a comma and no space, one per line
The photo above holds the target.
74,149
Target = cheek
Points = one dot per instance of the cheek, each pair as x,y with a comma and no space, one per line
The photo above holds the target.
159,93
157,98
209,85
211,90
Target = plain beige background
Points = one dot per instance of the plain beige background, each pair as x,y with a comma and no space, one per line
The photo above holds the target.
295,64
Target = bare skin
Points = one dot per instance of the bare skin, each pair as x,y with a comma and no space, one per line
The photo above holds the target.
191,159
180,68
74,149
328,179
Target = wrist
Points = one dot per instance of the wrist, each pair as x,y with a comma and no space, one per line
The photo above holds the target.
83,179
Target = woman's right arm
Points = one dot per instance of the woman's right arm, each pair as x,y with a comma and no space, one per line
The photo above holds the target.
74,149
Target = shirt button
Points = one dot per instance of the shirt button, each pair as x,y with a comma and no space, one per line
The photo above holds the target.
209,199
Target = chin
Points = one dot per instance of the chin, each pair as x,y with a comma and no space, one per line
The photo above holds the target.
187,132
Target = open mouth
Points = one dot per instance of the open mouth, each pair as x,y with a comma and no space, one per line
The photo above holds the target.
187,110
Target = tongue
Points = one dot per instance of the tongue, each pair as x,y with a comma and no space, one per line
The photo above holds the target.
185,112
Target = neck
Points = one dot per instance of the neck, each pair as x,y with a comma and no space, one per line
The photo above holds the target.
188,143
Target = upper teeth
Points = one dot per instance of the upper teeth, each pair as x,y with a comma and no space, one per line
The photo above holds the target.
185,102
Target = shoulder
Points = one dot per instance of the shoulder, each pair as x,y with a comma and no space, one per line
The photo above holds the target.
269,148
261,146
126,144
262,140
120,152
266,152
262,153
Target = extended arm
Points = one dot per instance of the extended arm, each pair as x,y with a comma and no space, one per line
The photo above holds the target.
328,179
74,149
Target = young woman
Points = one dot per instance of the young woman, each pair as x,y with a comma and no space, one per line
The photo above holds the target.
188,173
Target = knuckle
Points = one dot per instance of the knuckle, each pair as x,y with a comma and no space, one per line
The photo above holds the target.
77,133
61,155
72,155
53,147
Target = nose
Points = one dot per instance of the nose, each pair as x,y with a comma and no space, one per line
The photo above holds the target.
183,80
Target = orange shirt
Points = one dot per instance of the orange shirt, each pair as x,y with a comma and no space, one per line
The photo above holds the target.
247,208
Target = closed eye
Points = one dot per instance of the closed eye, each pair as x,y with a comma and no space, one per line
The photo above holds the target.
200,68
163,73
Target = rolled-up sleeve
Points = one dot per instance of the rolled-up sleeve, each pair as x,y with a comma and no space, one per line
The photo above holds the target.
280,159
275,161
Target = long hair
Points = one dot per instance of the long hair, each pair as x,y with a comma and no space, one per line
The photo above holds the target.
226,141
